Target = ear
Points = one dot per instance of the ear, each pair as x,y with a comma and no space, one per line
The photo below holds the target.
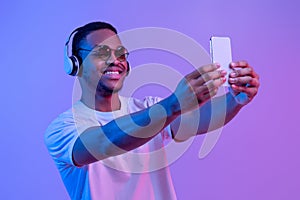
80,66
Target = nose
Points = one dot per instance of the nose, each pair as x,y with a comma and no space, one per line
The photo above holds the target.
112,59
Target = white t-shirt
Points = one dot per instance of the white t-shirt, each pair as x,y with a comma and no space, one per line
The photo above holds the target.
140,174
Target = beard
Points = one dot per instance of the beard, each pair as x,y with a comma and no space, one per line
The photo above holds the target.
105,90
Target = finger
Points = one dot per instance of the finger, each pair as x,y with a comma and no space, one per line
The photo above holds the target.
250,91
209,90
240,80
203,97
216,83
254,83
241,72
239,64
210,76
255,75
244,71
202,70
210,93
251,82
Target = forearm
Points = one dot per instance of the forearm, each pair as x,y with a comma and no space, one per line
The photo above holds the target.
232,107
219,111
212,115
125,133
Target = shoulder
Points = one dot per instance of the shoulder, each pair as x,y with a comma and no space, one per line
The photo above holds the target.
58,126
73,121
141,103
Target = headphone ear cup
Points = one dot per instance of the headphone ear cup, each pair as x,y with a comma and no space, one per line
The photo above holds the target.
76,65
128,68
71,64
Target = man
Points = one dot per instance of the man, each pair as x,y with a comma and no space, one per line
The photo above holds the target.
92,143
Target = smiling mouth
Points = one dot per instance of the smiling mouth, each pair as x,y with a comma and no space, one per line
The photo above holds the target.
112,72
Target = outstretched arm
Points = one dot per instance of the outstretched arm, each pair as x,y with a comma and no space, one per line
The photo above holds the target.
218,111
131,131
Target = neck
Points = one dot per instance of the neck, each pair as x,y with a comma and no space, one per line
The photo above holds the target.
103,103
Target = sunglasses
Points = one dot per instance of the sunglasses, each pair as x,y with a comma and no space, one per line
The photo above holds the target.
104,52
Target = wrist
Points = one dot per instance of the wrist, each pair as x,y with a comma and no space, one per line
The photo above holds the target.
233,102
172,106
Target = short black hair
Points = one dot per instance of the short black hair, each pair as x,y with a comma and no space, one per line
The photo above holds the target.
83,31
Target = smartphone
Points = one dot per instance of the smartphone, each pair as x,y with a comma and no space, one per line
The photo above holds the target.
220,52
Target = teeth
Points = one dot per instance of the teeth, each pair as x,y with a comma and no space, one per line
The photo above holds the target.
111,72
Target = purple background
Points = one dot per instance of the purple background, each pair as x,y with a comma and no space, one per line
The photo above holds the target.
257,156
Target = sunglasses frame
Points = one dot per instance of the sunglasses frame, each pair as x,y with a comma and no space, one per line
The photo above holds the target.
97,50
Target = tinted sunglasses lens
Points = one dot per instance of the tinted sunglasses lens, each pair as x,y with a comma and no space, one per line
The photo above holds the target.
121,53
103,52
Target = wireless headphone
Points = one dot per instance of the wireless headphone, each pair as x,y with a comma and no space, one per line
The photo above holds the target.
72,63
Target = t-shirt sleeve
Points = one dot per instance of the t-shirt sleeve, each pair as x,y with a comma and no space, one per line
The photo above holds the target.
60,138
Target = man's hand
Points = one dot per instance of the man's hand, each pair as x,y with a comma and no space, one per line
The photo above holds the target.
198,87
244,82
